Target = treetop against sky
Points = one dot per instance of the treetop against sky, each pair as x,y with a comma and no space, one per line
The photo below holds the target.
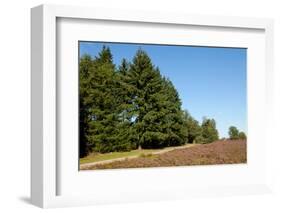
211,81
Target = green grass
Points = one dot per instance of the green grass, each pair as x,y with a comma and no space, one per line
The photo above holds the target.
96,157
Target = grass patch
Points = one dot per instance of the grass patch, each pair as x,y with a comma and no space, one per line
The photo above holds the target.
95,157
144,153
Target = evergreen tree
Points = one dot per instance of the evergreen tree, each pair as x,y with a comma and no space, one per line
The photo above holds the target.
173,120
233,133
133,106
193,128
125,90
242,136
85,69
146,82
104,122
155,105
209,132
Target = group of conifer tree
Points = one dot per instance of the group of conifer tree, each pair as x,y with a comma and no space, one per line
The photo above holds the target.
132,107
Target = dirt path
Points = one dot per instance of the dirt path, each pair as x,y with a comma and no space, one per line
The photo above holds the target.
87,165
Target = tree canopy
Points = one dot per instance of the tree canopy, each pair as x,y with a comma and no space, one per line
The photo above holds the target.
133,106
235,134
209,132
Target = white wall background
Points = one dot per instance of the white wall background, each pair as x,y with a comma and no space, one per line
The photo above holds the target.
15,104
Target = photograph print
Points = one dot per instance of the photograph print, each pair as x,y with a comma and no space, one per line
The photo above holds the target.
150,105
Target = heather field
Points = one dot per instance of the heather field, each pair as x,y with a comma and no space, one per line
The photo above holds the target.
218,152
151,105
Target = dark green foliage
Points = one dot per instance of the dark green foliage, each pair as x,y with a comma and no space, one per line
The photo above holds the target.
192,128
105,132
201,140
233,133
242,136
156,106
209,132
85,68
103,119
173,123
133,106
125,106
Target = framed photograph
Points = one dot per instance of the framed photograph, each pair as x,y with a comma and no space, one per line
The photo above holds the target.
131,106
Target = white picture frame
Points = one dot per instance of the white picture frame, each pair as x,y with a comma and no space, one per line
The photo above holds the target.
46,163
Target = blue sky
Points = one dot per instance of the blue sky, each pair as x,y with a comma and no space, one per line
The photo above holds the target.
211,81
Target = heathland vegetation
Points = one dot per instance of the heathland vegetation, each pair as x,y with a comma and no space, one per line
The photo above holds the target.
134,107
218,152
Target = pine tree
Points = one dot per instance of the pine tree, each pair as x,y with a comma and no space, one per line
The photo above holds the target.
209,132
125,91
133,106
127,133
233,133
140,74
85,68
173,120
155,105
242,136
103,132
193,128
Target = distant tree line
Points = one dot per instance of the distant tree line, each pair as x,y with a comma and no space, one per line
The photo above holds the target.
235,134
133,106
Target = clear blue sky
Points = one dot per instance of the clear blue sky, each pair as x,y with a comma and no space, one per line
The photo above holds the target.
211,81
